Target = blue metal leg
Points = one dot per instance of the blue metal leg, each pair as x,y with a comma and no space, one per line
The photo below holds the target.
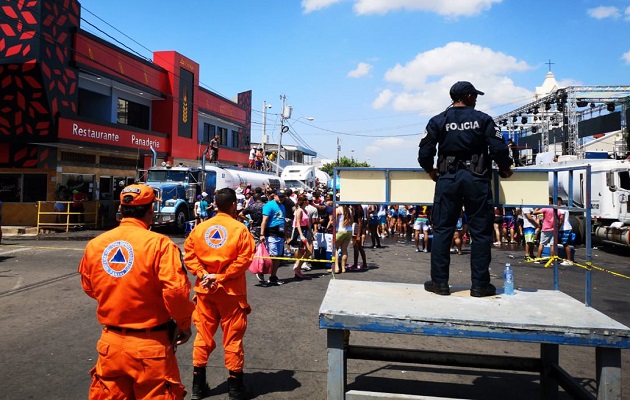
548,385
336,365
608,364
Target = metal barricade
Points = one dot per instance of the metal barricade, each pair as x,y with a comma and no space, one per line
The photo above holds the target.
58,215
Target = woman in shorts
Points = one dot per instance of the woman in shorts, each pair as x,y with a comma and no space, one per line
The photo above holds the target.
343,218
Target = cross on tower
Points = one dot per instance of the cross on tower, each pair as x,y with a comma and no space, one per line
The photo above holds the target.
549,63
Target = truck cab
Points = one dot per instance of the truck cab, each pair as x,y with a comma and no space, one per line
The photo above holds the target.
299,176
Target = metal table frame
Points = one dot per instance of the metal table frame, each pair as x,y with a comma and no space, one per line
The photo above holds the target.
548,317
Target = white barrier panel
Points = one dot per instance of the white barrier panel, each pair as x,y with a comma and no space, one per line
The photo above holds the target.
414,186
411,187
525,187
363,185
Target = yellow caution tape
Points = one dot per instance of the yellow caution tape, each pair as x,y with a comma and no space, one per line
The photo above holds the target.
296,259
304,259
588,266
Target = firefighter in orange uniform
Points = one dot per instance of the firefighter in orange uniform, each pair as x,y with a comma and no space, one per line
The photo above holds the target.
218,252
143,301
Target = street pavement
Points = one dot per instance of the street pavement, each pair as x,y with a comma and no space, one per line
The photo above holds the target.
49,327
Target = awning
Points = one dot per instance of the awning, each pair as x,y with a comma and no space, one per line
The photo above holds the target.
303,150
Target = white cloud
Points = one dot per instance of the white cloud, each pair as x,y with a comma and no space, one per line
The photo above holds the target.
425,81
603,12
315,5
385,143
448,8
393,152
627,14
361,70
626,57
382,99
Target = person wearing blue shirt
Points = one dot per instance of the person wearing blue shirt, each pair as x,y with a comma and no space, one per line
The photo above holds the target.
272,233
203,207
468,141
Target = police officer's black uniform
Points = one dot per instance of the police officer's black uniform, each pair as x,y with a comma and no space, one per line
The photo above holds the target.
468,139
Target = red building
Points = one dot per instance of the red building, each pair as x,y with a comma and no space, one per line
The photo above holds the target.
80,113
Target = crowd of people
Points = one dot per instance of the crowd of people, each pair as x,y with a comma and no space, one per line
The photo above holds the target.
295,223
533,229
258,160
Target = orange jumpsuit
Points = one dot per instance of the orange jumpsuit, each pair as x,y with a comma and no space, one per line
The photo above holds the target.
221,246
138,280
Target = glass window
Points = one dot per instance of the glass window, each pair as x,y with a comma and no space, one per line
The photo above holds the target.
133,114
223,136
34,188
11,187
80,182
18,188
235,143
208,133
122,111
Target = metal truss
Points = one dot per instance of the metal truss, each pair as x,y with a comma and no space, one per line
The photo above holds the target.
569,103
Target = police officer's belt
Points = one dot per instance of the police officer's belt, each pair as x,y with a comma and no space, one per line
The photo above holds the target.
161,327
466,156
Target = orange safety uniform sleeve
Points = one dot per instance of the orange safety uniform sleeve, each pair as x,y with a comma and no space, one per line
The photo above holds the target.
221,246
137,278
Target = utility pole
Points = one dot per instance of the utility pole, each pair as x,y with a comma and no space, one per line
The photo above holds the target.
264,128
338,150
285,114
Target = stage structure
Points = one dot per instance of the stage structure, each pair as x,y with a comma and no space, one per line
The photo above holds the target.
561,113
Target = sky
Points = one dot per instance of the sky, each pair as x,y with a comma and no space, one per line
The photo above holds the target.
371,73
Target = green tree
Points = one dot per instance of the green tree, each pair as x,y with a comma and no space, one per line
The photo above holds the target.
343,162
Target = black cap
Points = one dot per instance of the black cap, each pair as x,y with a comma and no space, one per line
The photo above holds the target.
462,88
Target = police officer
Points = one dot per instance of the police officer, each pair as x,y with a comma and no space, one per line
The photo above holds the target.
218,252
143,296
468,140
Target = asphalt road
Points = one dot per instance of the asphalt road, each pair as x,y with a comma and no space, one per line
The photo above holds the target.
49,329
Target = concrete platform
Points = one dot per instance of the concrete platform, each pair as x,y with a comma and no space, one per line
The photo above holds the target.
548,317
405,308
363,395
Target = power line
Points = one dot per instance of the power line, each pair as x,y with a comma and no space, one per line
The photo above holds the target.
201,84
108,52
114,39
138,43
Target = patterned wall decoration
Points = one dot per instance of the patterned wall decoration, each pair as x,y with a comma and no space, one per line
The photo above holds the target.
37,83
245,135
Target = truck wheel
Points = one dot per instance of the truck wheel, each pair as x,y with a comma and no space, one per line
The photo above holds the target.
181,216
577,225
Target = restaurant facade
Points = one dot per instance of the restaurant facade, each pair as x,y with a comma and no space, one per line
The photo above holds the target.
79,113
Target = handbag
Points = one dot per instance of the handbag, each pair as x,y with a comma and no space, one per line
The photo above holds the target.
261,264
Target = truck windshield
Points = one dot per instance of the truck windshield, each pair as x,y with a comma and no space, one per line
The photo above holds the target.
293,184
167,176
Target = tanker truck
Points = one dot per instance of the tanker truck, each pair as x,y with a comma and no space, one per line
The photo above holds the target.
304,176
610,190
179,186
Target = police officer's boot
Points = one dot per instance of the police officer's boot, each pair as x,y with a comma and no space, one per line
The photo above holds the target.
200,388
236,388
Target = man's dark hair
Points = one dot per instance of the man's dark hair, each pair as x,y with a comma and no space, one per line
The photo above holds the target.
137,212
257,196
225,198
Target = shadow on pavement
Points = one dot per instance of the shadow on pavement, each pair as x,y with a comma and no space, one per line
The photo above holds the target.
263,383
